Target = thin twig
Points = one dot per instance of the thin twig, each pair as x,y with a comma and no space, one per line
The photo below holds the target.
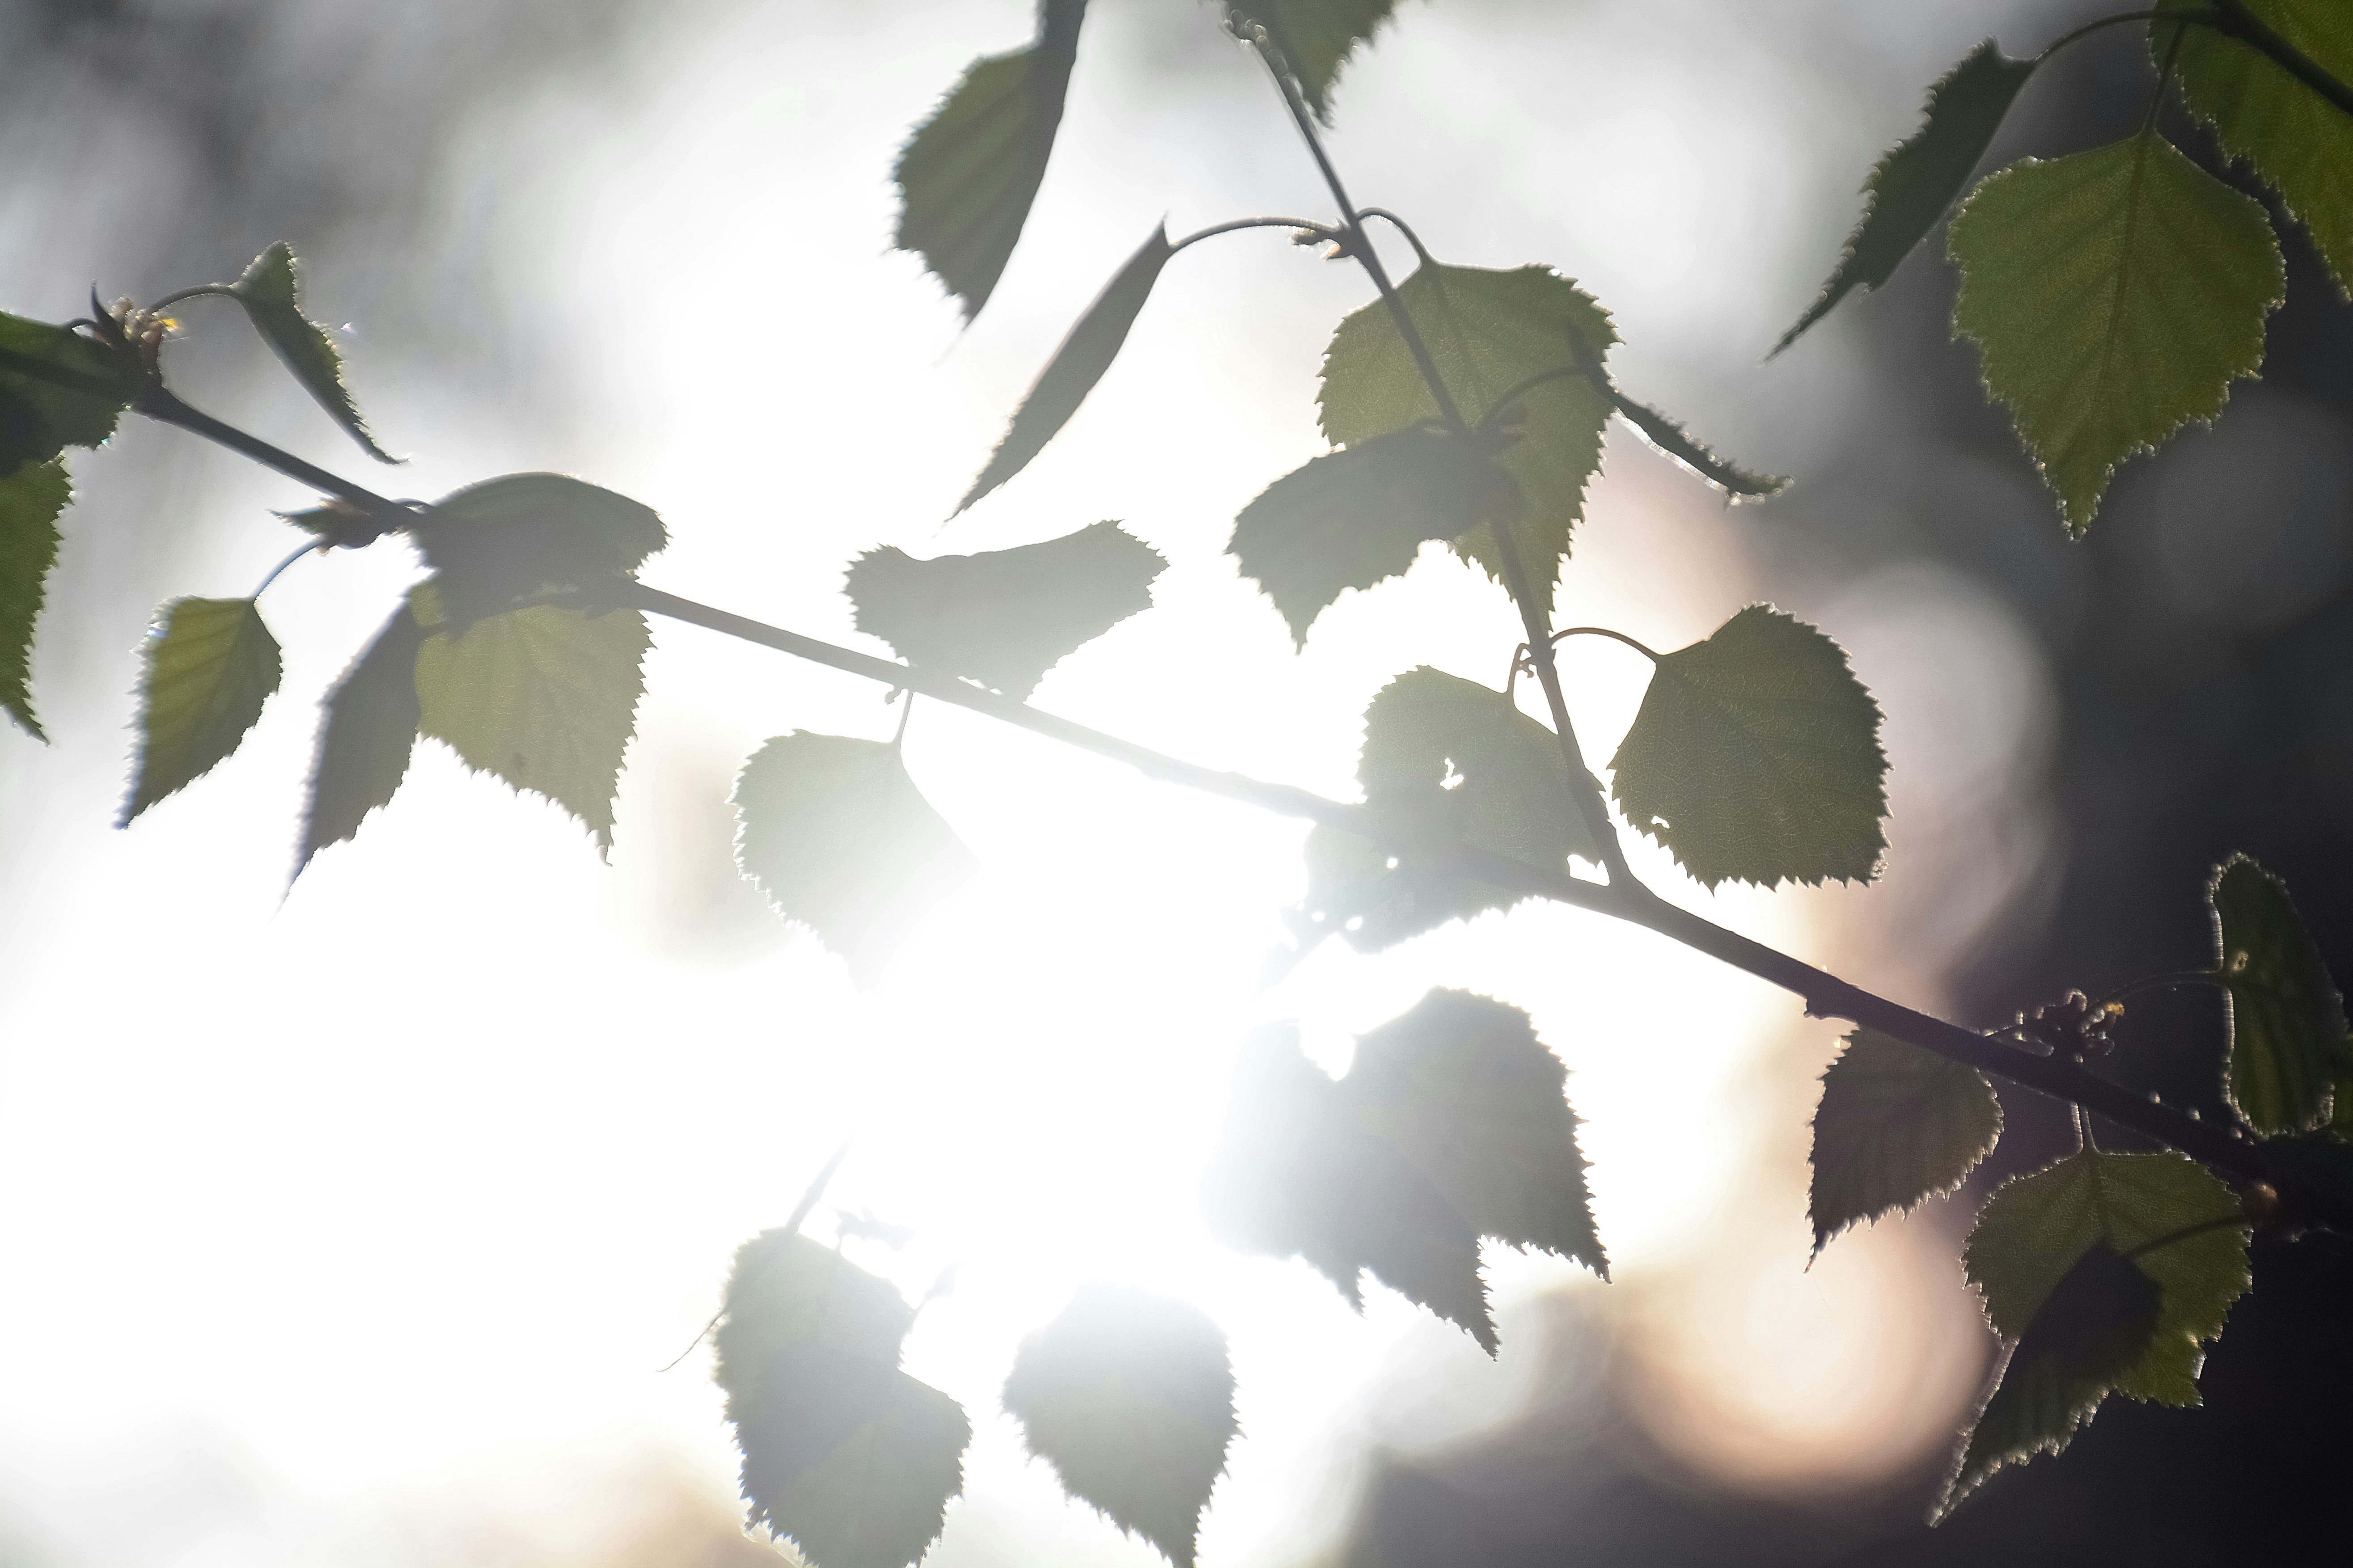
792,1227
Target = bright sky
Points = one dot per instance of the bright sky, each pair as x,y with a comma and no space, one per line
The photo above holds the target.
414,1175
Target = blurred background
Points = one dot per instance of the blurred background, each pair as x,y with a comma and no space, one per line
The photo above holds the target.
347,1225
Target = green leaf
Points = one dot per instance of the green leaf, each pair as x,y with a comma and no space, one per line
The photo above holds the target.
1673,439
1755,757
1915,183
2100,1318
544,697
2298,141
1355,518
2287,1042
1296,1174
1131,1398
1004,617
1898,1125
968,175
367,737
274,303
835,832
1076,366
1490,333
31,499
1450,1125
211,664
844,1455
1464,759
1373,899
2115,295
75,403
520,534
2174,1222
1463,1088
1315,37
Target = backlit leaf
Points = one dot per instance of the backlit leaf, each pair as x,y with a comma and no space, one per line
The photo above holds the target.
1676,442
2114,295
211,664
365,737
1916,182
544,697
76,404
1898,1125
2287,1044
1462,758
968,175
1316,38
2298,141
1131,1398
2100,1319
1297,1174
844,1455
1755,757
1450,1125
1461,1086
1076,366
1352,518
1004,617
2176,1224
31,498
507,538
1489,332
835,832
273,302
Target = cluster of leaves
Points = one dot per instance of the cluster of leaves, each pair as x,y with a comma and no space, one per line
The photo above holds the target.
2115,294
2105,1273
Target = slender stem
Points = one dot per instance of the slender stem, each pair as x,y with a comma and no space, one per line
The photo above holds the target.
201,290
1303,225
298,552
2088,28
1534,616
2243,25
1605,632
2178,980
1824,995
1402,226
165,407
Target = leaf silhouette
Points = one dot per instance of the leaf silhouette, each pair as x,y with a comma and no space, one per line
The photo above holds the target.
1355,518
31,499
211,664
75,403
1004,617
844,1455
1916,182
2114,295
1755,757
837,835
2299,143
544,697
517,535
2287,1041
1076,366
968,175
1317,38
1896,1126
2173,1222
365,737
1131,1398
272,302
1491,334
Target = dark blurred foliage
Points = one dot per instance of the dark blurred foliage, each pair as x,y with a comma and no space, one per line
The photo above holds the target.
2201,642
